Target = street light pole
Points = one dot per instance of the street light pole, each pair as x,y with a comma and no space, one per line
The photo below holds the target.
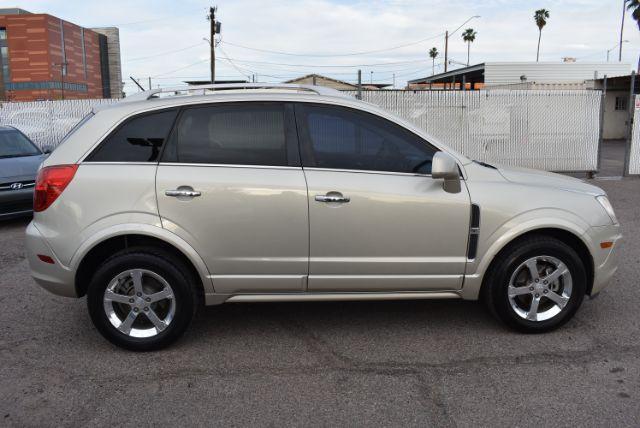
624,4
446,40
618,44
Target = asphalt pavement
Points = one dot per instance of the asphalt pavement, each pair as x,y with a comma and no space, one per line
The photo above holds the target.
421,363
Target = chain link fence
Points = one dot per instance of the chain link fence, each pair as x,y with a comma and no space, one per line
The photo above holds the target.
552,130
47,122
633,167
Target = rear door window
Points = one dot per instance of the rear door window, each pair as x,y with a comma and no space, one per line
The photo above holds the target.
251,133
139,139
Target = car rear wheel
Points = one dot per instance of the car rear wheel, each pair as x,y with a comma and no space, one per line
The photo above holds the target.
142,299
536,285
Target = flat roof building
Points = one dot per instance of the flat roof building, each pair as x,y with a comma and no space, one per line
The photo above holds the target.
504,74
44,57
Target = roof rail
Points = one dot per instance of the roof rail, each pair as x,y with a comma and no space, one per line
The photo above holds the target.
203,89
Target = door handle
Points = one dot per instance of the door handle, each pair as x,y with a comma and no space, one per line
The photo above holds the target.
335,197
180,192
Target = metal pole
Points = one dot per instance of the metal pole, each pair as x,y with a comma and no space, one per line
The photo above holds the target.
62,80
446,49
624,4
630,114
359,95
464,82
149,83
137,83
603,97
212,33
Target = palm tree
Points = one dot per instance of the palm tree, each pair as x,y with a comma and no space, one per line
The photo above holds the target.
433,53
469,36
635,6
540,17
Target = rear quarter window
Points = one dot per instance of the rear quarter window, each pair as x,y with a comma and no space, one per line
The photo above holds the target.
138,139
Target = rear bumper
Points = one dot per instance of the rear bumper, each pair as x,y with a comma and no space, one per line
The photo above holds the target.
605,260
55,277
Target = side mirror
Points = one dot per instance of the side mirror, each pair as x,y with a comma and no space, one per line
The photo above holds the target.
444,166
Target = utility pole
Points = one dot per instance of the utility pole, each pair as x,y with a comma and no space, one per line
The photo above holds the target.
149,82
624,4
446,50
446,40
359,93
214,28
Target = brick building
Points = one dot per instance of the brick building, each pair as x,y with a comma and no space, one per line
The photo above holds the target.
43,57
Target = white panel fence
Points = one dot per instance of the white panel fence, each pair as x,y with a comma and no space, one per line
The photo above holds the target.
634,152
47,122
551,130
544,129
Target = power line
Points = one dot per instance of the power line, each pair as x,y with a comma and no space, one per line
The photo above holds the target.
336,55
327,66
233,64
165,53
181,68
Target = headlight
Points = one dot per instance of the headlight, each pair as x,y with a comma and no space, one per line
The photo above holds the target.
604,201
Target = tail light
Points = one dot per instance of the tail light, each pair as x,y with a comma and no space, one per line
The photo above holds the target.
50,184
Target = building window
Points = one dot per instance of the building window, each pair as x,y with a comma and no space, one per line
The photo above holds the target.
621,103
4,55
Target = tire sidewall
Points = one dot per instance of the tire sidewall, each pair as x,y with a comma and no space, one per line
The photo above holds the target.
183,295
513,259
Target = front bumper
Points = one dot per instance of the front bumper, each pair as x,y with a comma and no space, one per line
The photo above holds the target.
15,203
605,260
55,277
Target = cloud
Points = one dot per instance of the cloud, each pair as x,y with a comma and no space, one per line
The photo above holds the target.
506,32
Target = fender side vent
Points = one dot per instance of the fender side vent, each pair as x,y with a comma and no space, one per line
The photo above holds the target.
474,232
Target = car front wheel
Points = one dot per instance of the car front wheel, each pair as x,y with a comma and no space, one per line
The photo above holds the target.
536,285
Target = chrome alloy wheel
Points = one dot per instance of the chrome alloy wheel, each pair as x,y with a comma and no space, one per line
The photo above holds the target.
139,303
540,288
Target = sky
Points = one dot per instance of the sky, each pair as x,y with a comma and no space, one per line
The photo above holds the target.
280,40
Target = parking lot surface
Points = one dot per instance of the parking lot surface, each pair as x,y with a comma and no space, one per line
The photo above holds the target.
435,363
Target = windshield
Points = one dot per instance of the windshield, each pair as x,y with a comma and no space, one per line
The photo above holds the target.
14,144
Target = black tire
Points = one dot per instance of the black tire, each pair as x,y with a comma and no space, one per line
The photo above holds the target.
496,284
169,268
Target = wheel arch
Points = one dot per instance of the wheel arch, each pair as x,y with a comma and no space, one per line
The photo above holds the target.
100,249
570,238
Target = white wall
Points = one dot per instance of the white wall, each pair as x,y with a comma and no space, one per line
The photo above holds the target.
615,121
505,73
